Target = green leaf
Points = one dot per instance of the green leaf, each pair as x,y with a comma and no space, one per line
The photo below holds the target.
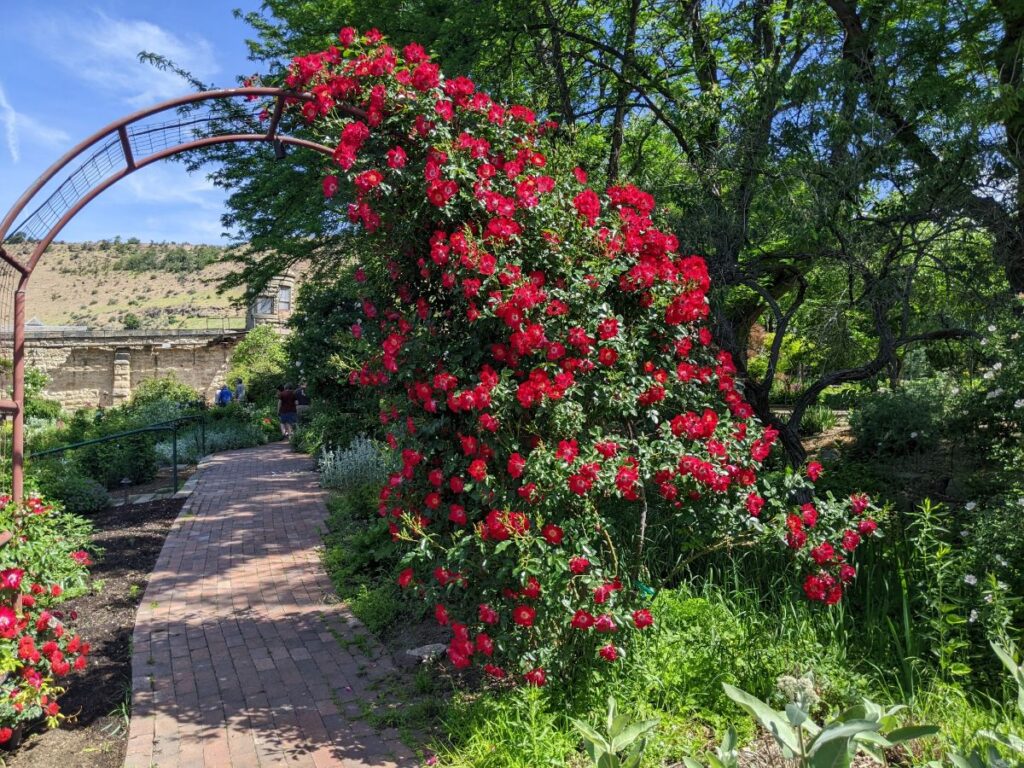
689,762
795,715
631,733
590,735
1006,658
911,732
835,754
840,731
769,719
960,761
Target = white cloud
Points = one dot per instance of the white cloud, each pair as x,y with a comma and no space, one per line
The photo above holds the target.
170,183
103,51
18,127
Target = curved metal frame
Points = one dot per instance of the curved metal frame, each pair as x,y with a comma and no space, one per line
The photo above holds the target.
15,406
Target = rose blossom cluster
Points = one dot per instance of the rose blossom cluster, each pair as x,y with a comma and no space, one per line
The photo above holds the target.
546,381
37,645
42,648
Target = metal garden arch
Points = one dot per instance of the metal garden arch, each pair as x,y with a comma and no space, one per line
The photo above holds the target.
97,163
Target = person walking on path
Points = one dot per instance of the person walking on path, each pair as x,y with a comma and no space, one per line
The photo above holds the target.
301,401
223,395
286,411
239,390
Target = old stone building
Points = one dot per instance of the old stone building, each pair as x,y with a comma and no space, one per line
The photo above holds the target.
92,367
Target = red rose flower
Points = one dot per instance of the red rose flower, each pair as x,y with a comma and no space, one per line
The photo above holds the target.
578,565
330,185
516,464
582,620
536,677
850,541
405,578
814,471
609,653
552,534
396,157
487,615
523,615
478,469
642,618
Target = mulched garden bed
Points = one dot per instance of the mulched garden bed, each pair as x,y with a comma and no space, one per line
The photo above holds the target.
98,701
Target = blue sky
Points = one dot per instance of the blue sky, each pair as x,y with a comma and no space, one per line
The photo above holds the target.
68,67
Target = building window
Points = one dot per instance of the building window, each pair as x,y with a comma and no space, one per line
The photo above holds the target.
265,305
284,298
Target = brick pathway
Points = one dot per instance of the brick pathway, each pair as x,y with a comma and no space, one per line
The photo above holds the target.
239,659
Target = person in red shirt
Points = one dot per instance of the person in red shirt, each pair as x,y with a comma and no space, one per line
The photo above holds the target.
286,411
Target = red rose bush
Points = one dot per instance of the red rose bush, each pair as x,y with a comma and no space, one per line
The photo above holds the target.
40,565
562,423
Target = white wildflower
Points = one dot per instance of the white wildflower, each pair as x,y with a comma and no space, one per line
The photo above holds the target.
988,598
970,505
997,367
970,579
1018,403
991,329
913,435
988,375
973,617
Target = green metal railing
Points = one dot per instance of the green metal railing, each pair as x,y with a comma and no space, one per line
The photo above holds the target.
174,426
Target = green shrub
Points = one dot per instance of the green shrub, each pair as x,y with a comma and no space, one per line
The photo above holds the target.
78,494
323,428
818,419
897,423
994,543
42,408
358,549
695,646
377,607
230,436
220,436
166,389
260,361
133,457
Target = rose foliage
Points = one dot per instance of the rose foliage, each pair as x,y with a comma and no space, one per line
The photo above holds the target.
562,422
39,566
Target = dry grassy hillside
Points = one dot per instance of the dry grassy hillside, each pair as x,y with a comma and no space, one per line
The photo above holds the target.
112,284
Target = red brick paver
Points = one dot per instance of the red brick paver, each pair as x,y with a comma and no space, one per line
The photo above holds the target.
239,659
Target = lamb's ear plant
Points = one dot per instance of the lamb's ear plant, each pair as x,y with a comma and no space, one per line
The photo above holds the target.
726,755
865,727
622,745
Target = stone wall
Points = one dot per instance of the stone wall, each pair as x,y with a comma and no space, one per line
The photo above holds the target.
89,368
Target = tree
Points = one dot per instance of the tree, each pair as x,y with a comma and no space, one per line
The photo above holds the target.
561,421
798,145
261,362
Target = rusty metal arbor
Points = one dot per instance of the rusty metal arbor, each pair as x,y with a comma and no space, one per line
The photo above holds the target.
97,163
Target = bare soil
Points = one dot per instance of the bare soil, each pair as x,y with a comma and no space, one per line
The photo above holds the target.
98,702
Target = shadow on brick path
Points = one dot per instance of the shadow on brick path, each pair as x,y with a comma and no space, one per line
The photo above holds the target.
240,658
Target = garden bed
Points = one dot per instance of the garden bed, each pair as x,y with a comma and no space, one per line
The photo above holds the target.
98,701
